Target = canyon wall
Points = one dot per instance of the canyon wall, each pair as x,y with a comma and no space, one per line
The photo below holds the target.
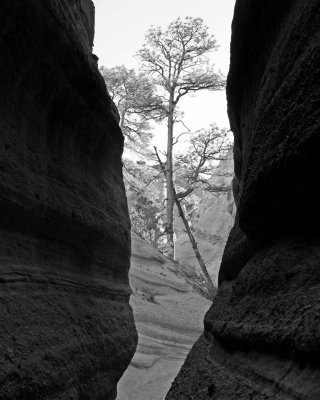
163,299
211,215
66,326
263,329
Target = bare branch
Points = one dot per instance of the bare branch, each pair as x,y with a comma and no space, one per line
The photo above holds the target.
184,194
184,125
178,137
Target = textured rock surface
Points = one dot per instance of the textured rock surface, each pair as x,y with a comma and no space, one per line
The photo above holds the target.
273,99
264,324
66,328
163,303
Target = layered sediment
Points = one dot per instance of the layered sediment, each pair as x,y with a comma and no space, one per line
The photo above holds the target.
263,329
67,329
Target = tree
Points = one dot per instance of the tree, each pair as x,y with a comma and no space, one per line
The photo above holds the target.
195,169
146,219
145,201
177,60
137,103
196,165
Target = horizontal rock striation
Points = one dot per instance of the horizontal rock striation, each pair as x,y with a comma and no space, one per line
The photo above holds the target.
66,327
264,324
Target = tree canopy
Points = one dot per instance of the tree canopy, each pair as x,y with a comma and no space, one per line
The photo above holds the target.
135,96
174,63
177,58
177,61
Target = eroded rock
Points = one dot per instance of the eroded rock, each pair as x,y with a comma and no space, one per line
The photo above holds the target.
264,325
67,329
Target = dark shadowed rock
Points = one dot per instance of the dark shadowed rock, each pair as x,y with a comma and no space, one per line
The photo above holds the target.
273,103
66,329
263,328
239,249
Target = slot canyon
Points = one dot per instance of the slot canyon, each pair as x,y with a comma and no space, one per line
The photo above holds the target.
67,329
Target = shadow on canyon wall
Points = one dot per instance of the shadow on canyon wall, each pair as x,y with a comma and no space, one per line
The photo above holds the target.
263,329
67,329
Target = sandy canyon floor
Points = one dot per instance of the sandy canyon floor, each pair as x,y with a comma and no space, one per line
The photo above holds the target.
164,304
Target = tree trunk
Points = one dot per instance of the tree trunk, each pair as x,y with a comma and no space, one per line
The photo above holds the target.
123,114
169,182
210,285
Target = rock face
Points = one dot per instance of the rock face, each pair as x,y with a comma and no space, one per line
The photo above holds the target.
163,301
264,324
66,327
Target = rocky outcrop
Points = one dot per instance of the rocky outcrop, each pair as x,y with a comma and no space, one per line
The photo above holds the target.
163,301
264,324
67,329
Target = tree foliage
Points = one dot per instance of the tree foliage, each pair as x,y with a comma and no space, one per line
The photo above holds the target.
193,169
177,60
135,96
174,63
144,188
195,166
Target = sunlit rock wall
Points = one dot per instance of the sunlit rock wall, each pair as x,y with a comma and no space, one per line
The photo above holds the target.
264,324
66,328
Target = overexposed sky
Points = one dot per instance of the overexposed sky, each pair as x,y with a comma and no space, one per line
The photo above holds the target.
119,34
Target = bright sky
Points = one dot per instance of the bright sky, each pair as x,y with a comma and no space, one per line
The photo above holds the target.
122,24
